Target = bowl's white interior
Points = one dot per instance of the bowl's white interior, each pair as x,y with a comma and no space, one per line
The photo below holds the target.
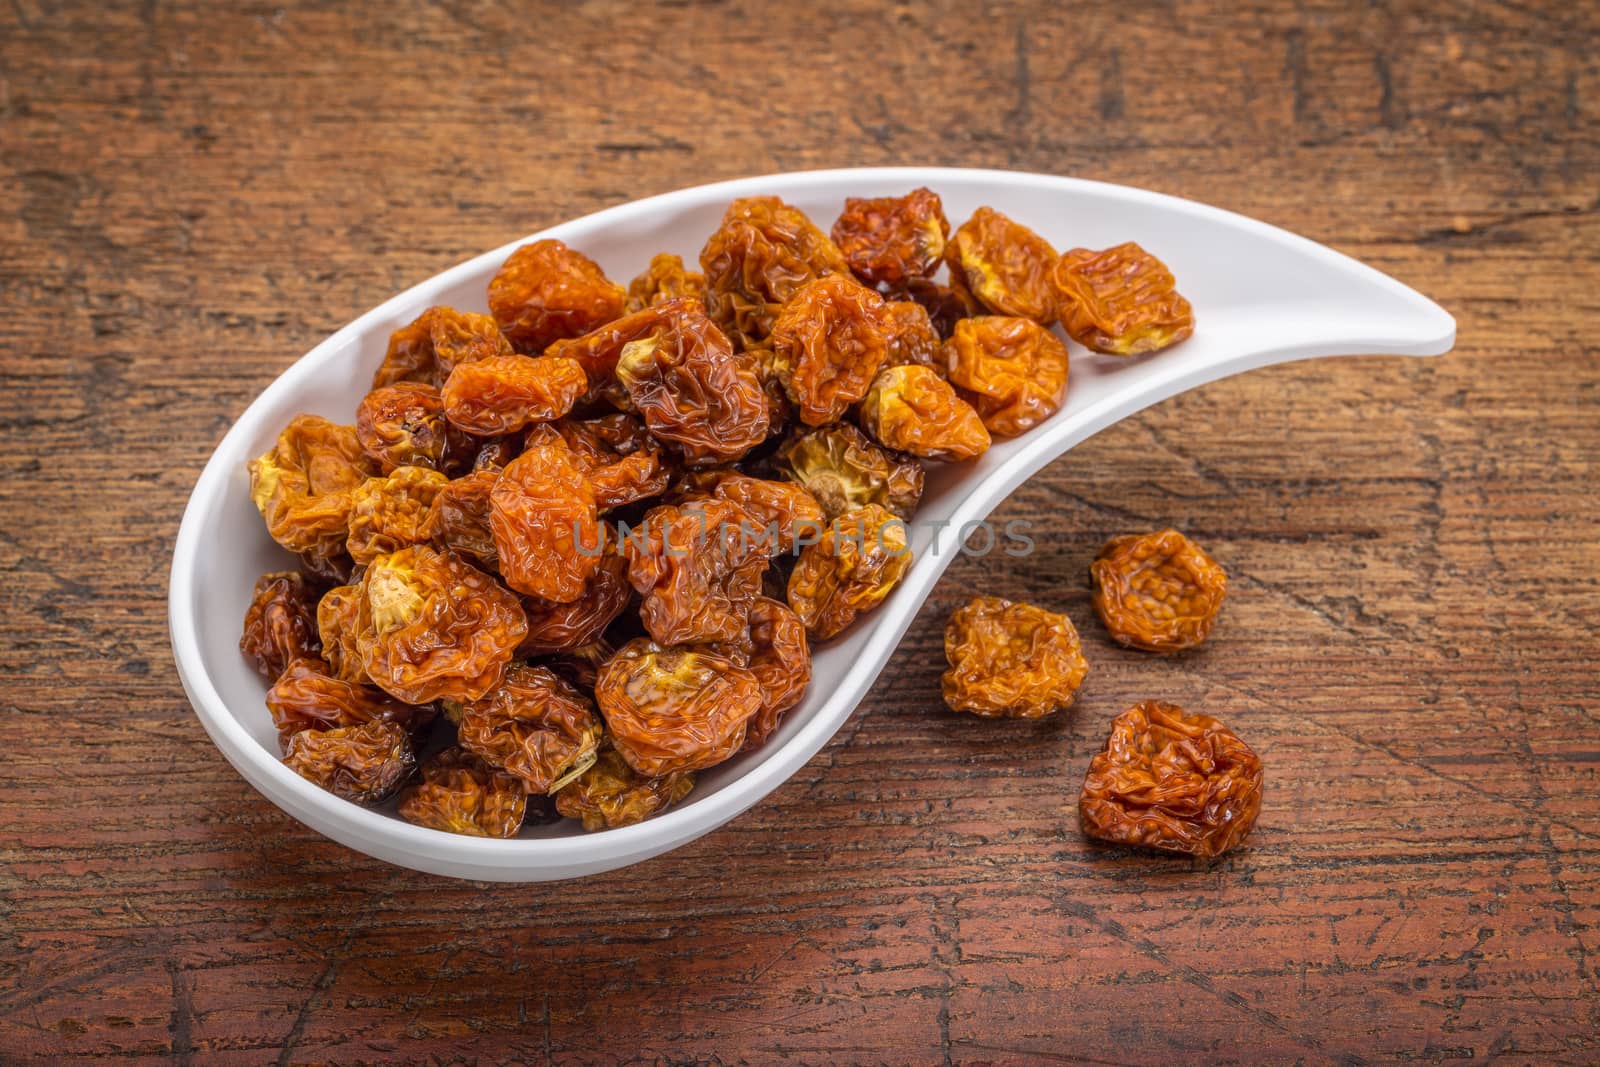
1260,295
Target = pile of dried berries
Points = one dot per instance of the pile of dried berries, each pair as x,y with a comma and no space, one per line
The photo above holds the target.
575,548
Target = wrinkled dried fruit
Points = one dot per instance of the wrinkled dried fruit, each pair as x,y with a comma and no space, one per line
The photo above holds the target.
1004,265
694,391
912,339
546,530
365,764
780,658
493,453
504,394
403,425
431,626
612,794
861,557
566,627
945,305
325,567
338,619
760,255
280,625
786,512
1171,780
1013,371
307,697
675,709
1121,301
621,459
665,279
889,239
843,470
1013,661
698,566
387,514
1159,592
428,347
534,726
546,291
458,518
460,794
827,343
914,410
302,485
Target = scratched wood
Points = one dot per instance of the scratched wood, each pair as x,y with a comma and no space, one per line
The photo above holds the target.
191,197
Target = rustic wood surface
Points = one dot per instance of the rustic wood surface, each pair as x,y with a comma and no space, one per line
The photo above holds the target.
190,198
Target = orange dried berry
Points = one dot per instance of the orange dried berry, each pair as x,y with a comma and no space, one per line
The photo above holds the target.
337,622
1159,592
389,513
860,558
698,567
780,658
280,625
665,279
546,291
460,794
546,530
1011,370
504,394
612,794
307,697
914,410
365,764
302,485
828,342
1004,266
458,518
1171,780
761,254
1121,301
403,425
887,240
912,338
843,470
785,511
430,626
534,726
570,626
430,345
675,709
1009,660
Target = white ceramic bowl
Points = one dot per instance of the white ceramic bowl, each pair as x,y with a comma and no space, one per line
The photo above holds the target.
1261,296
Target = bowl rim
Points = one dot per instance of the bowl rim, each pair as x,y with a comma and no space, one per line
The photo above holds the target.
615,847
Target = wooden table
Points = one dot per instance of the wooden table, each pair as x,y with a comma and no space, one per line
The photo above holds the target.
190,198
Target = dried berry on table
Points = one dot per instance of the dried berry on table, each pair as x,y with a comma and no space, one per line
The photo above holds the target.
780,658
1159,592
1004,266
504,394
307,697
547,532
1010,660
887,240
612,794
913,410
698,567
1171,780
365,764
827,343
460,794
694,391
843,470
389,513
861,557
280,625
675,709
760,255
1121,301
666,278
431,626
426,349
546,291
1011,370
403,425
534,726
302,485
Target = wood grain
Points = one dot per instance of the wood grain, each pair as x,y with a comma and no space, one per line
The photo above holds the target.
192,196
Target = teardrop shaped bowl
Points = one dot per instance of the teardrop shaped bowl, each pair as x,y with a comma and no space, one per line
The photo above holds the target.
1261,296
